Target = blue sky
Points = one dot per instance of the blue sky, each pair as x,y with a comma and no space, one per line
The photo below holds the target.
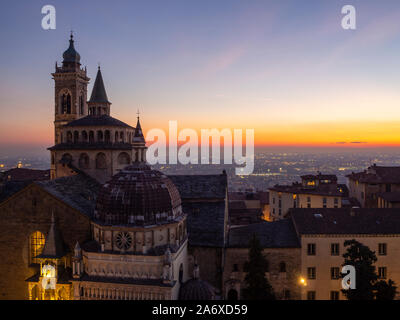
280,67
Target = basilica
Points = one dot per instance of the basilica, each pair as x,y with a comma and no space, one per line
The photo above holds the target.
106,225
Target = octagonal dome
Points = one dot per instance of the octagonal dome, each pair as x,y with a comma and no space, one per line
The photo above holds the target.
138,195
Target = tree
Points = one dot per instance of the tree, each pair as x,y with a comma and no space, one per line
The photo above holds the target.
258,287
367,285
385,290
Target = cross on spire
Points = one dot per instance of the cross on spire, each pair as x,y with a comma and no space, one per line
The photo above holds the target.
138,113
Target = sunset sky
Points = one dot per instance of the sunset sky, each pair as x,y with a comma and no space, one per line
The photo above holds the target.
286,69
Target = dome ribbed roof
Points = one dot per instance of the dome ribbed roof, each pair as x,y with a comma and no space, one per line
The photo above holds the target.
71,55
196,289
138,195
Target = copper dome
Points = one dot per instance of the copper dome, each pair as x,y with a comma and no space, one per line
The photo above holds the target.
138,195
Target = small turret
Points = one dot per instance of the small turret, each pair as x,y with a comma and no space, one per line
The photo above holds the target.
77,264
139,143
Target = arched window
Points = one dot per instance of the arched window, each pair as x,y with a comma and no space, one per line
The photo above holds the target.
81,105
282,267
116,136
84,161
84,136
68,104
99,136
35,292
232,295
66,157
91,137
107,136
123,158
181,273
65,101
36,245
121,136
69,137
101,161
52,159
76,136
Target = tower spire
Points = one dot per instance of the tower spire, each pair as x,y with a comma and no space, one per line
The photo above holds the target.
98,103
139,143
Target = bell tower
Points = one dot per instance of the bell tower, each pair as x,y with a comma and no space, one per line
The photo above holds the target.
70,90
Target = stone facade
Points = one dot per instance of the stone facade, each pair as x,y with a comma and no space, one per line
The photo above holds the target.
323,261
21,215
285,284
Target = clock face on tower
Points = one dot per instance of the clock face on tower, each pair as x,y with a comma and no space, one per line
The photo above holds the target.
124,240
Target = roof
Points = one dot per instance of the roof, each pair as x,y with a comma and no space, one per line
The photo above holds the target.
341,221
64,276
334,190
377,174
390,196
71,55
205,223
93,121
23,174
78,191
277,234
203,200
196,289
319,176
54,245
213,186
99,91
138,136
138,195
12,187
258,195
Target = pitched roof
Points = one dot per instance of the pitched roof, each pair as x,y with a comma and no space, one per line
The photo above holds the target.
99,91
138,136
277,234
54,245
334,190
390,196
24,174
93,121
12,187
79,191
346,221
205,223
213,186
377,174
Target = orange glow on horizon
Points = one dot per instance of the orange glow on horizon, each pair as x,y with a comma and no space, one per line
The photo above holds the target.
365,134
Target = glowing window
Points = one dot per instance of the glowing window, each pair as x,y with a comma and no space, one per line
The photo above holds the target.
36,245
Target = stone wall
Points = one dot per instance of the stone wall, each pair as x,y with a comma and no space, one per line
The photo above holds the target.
22,214
233,275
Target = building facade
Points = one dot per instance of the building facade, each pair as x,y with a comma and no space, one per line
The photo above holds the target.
314,191
322,233
368,185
